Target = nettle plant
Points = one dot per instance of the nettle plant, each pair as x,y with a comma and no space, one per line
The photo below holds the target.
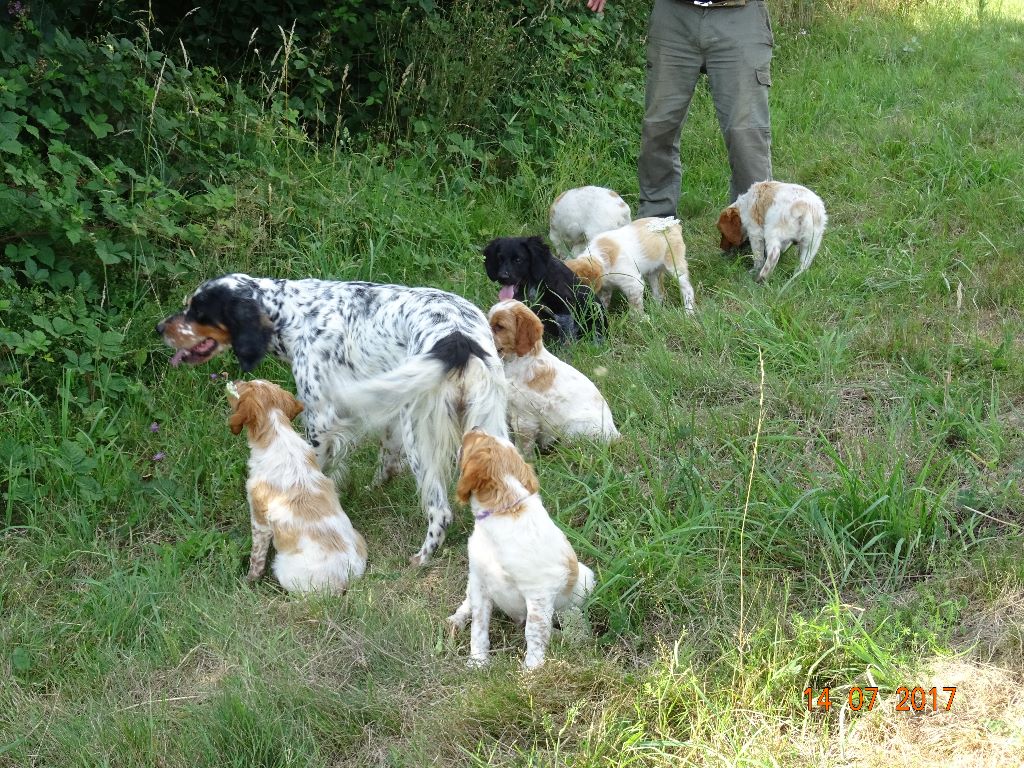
116,161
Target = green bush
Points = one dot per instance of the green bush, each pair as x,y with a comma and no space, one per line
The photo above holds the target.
119,163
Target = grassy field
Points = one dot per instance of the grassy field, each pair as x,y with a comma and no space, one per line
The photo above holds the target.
819,484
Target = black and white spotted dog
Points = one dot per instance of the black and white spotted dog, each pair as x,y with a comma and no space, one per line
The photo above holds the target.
416,363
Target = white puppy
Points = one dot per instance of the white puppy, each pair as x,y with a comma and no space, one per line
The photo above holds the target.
519,559
548,398
644,249
290,499
774,215
579,214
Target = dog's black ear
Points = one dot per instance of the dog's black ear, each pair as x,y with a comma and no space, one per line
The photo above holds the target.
491,259
250,331
540,258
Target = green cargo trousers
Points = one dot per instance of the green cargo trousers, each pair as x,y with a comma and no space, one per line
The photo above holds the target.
733,46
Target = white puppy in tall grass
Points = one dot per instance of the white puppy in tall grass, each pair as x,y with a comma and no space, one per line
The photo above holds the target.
774,215
580,214
290,500
548,399
643,250
519,560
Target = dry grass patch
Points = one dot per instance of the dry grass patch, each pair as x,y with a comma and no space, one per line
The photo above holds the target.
984,727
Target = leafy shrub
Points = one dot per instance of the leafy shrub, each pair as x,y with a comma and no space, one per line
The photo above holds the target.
119,164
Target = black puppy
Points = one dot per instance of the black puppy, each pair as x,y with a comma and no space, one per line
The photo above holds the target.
528,271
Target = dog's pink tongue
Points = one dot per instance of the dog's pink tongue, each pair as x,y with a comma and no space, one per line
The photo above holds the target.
507,292
178,357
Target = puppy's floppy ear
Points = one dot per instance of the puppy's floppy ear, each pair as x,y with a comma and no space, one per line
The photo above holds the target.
514,464
295,408
491,259
245,414
476,472
250,331
289,405
529,329
731,227
528,477
540,258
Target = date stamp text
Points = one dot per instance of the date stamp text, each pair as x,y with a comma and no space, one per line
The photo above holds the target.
859,699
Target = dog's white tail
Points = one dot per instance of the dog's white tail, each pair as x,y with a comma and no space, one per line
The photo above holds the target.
816,220
452,379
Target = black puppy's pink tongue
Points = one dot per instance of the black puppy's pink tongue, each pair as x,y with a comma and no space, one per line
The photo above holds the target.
507,292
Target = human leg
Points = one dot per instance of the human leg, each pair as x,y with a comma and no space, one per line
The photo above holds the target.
673,65
739,52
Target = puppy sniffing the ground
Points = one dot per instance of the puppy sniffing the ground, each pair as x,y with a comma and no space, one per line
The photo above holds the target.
643,250
774,215
548,398
290,500
578,215
519,559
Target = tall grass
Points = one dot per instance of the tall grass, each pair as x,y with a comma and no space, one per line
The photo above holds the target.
878,529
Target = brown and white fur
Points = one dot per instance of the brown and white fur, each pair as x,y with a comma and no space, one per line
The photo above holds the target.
290,500
519,559
580,214
643,250
774,215
548,398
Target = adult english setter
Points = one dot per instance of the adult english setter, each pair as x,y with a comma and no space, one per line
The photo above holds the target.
418,364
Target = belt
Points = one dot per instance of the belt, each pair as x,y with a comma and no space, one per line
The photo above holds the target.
716,3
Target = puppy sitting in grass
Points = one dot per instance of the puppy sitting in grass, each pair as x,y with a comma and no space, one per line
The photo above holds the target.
519,559
290,499
547,398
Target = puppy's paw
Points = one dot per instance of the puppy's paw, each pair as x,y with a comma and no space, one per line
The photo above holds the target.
455,622
478,662
419,559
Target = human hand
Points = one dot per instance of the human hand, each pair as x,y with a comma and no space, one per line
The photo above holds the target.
596,5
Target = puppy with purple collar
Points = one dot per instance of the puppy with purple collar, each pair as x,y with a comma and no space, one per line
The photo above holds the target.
519,560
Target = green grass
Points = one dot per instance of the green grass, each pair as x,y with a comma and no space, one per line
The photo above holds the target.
883,527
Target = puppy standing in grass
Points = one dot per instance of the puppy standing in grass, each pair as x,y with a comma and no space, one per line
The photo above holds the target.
774,215
519,559
643,250
290,499
548,398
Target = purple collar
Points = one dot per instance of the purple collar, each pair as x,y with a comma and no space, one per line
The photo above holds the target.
488,512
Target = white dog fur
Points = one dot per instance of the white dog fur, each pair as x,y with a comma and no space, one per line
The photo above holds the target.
775,215
580,214
290,500
519,560
643,250
548,398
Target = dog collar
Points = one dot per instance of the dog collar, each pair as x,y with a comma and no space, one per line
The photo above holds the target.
499,510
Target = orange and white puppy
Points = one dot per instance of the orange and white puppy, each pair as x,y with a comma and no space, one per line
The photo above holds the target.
519,560
643,250
548,398
290,499
774,215
579,214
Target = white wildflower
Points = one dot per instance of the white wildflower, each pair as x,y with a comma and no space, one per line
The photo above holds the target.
232,389
660,225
